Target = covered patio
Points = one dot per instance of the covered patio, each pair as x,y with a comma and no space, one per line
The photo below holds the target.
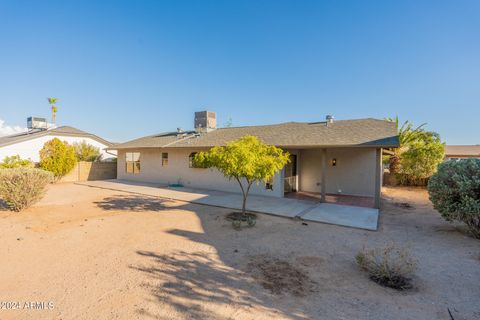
308,210
349,176
341,199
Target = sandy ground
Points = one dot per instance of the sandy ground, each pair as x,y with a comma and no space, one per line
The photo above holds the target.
102,254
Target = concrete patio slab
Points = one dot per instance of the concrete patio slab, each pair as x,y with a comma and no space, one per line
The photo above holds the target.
350,216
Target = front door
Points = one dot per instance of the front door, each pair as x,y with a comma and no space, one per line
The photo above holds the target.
290,180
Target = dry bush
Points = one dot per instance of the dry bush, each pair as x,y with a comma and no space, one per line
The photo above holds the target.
22,187
389,266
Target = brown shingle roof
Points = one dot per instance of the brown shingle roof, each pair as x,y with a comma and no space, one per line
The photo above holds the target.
361,132
61,131
466,151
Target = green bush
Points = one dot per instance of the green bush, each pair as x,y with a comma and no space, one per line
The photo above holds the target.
420,159
455,192
57,157
22,187
389,266
87,152
16,162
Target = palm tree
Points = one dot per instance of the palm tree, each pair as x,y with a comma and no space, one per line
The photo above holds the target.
406,135
53,101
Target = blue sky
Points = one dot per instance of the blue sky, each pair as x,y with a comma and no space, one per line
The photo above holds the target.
123,69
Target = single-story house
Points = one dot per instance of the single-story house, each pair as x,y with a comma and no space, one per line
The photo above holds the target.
462,152
328,157
29,143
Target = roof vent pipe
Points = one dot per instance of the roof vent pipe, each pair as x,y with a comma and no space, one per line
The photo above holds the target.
329,118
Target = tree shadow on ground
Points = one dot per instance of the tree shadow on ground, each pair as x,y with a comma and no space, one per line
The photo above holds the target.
189,282
136,203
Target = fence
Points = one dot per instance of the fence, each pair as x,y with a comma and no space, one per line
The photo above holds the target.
86,171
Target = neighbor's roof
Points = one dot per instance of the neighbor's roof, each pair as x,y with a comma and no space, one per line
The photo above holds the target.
60,131
340,133
470,151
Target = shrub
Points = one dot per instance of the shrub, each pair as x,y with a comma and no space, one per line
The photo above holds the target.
420,159
57,157
22,187
87,152
389,266
16,162
455,192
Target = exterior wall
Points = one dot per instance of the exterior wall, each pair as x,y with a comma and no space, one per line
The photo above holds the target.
178,171
459,157
88,171
354,173
30,149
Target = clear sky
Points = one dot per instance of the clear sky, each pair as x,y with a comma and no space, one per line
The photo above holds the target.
123,69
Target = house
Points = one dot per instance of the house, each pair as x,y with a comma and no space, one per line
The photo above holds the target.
328,157
462,152
29,143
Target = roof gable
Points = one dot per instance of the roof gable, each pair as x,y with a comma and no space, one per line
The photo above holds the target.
60,131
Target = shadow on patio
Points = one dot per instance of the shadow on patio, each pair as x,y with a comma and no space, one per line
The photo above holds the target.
134,203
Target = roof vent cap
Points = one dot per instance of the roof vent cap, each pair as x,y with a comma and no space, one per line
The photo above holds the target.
329,118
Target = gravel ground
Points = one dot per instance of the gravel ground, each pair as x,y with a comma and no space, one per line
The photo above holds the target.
102,254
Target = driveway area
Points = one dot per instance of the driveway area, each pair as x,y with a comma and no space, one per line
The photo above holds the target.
343,215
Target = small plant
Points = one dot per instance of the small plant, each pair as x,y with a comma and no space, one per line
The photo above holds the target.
16,162
22,187
57,157
455,192
87,152
389,266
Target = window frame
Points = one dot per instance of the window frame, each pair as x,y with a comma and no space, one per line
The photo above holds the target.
191,163
164,159
131,162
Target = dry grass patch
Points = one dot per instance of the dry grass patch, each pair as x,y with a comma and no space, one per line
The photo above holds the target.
279,276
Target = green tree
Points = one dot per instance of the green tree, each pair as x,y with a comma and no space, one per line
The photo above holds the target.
16,162
421,158
87,152
455,192
53,102
407,134
247,160
57,157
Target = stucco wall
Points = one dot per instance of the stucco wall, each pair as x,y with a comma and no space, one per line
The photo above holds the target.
354,173
30,149
88,171
177,170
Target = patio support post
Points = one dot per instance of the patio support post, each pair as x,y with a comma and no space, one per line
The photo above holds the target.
324,175
378,177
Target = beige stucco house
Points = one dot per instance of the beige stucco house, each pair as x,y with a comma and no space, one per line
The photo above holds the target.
457,152
328,157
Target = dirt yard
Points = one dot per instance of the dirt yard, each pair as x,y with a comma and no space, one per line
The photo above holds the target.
102,254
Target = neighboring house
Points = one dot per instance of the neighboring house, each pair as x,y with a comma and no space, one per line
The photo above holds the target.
329,157
462,152
29,143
